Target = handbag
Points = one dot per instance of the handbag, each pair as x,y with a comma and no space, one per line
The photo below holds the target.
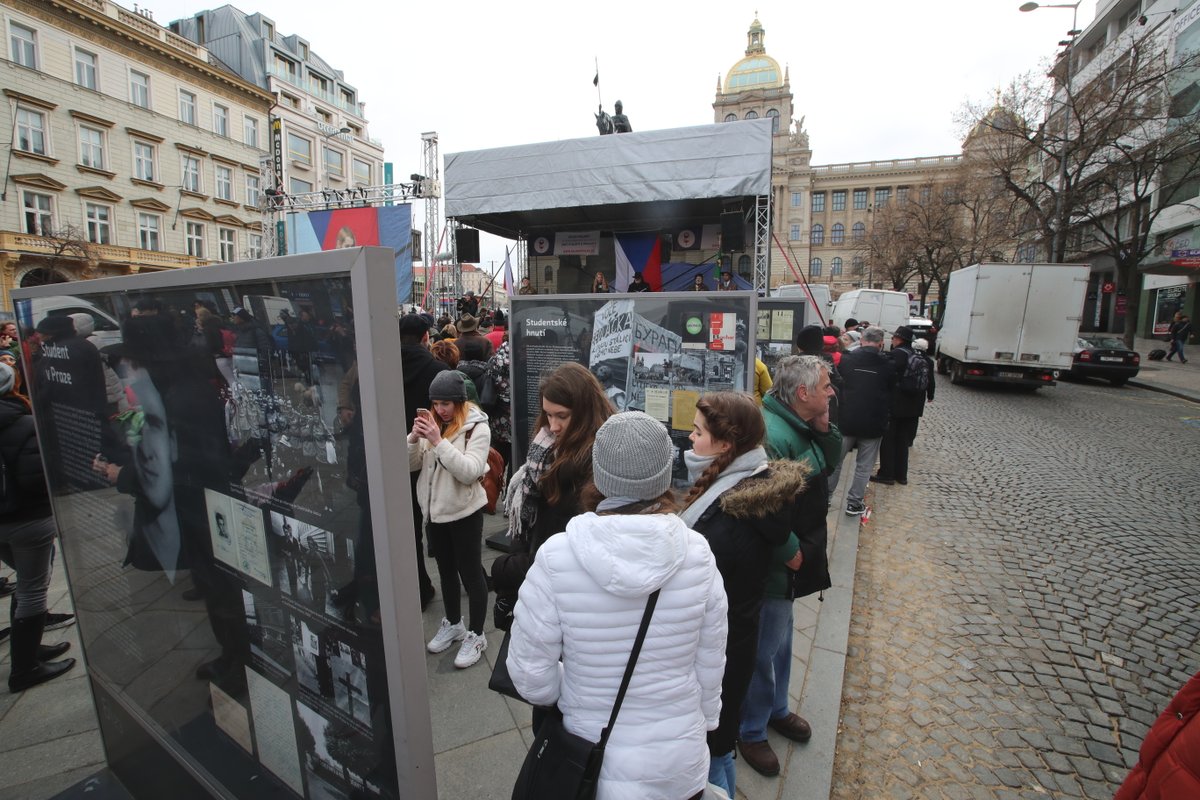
563,766
501,682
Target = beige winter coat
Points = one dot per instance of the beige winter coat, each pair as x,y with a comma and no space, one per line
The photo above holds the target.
449,487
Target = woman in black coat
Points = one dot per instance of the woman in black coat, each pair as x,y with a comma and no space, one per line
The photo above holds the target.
745,507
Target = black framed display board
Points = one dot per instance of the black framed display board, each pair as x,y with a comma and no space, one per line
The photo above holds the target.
219,467
652,352
778,322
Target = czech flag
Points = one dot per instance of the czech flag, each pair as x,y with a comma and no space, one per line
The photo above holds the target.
638,252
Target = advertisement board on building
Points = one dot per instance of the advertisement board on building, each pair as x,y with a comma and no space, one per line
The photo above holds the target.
384,226
215,506
652,352
1167,301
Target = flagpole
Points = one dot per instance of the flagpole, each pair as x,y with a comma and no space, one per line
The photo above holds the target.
596,83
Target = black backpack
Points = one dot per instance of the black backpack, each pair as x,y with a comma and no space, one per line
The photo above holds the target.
916,375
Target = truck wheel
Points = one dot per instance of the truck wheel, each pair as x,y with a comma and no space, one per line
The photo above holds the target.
957,374
942,369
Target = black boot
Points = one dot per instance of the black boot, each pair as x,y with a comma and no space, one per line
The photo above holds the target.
27,669
49,651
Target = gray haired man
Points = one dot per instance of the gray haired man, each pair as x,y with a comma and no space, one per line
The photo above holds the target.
867,380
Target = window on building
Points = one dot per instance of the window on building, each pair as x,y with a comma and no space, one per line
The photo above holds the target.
1027,253
335,163
839,200
224,182
23,45
191,174
926,194
297,186
227,244
882,196
794,234
39,213
253,189
268,31
751,115
250,130
31,131
835,267
99,223
148,228
856,265
860,199
139,89
731,117
362,172
814,268
837,234
299,149
220,120
858,232
254,245
285,67
91,147
85,69
818,235
143,161
797,199
773,115
818,202
902,195
291,101
193,235
187,107
744,264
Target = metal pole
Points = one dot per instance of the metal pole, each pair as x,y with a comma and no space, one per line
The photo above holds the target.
1060,223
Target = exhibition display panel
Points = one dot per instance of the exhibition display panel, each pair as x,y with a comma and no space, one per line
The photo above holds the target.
216,492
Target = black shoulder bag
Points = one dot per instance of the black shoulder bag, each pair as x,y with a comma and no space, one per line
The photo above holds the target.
563,766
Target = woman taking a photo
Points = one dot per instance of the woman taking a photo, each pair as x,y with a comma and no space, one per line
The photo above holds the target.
583,602
449,444
743,505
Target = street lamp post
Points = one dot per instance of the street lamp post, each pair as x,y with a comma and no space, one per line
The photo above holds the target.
1058,243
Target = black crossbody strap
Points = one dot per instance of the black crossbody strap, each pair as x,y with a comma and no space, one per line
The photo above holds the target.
633,657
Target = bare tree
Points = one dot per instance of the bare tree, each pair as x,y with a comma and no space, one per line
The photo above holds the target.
69,245
1114,153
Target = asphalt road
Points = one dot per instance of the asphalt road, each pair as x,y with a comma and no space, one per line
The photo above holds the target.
1027,605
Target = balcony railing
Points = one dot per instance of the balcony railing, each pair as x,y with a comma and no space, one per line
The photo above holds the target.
103,253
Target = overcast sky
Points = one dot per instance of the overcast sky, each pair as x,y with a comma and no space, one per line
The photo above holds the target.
874,79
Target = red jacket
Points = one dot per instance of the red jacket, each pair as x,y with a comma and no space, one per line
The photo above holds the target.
1168,765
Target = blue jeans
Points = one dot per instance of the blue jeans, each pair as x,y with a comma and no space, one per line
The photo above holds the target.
721,772
767,697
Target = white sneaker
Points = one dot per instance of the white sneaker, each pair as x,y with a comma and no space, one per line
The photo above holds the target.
447,635
470,651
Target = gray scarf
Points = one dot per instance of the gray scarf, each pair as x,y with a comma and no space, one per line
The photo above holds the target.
741,467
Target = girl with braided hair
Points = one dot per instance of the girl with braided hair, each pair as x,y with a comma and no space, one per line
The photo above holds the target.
744,506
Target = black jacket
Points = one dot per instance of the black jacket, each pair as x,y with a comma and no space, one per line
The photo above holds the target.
906,403
743,528
24,495
419,367
868,377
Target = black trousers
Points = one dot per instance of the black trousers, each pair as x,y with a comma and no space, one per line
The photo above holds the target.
457,550
893,450
418,525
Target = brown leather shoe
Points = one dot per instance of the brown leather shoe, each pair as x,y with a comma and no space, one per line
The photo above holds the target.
793,726
761,757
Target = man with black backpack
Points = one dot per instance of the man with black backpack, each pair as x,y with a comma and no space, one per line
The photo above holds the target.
914,383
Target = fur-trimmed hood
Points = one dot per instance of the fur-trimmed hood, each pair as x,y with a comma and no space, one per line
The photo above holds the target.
766,493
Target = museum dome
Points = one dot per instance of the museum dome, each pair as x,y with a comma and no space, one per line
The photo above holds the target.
757,70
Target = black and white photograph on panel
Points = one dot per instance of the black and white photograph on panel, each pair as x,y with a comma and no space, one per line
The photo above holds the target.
309,565
337,757
270,633
330,668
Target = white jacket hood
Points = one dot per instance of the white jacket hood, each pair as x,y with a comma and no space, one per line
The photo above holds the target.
629,555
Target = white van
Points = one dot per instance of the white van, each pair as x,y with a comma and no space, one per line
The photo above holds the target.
106,328
882,308
820,293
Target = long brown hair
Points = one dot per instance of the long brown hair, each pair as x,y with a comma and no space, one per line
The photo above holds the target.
665,503
730,417
573,386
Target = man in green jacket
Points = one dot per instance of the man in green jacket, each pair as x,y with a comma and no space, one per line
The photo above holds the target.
796,410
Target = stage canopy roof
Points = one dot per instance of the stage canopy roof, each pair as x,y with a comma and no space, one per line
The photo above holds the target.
624,181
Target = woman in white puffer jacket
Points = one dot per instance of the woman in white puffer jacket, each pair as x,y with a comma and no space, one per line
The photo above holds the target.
583,601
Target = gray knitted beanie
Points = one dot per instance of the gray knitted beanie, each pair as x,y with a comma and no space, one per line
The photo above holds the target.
7,379
448,385
631,457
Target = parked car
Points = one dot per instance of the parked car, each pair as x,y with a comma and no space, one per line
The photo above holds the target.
1101,355
923,328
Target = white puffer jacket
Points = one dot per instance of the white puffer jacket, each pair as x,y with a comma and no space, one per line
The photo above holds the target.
449,487
582,602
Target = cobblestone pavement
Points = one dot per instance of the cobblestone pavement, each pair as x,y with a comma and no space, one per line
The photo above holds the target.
1026,606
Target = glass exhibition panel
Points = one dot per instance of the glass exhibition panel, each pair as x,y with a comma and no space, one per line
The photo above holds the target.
209,476
652,352
778,323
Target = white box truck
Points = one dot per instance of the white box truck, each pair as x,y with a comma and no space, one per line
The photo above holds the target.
880,307
1011,323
